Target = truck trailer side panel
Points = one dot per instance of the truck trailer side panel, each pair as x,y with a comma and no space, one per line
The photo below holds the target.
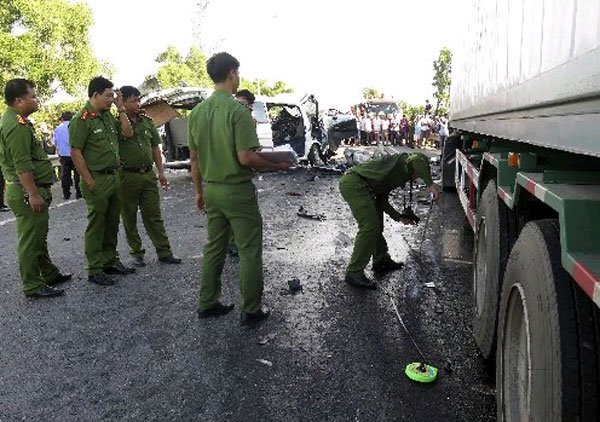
529,71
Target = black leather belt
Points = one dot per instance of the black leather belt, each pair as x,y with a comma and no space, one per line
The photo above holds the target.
141,170
110,170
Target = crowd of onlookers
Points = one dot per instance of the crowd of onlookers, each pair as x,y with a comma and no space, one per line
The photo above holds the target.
424,130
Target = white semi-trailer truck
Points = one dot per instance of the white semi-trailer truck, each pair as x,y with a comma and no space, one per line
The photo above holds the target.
525,161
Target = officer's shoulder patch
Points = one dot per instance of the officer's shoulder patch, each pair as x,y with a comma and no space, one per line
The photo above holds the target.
143,114
22,121
87,115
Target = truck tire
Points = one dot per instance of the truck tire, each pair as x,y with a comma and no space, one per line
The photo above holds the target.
449,162
490,253
547,366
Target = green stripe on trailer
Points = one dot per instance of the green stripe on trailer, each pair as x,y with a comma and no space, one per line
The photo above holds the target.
575,196
578,207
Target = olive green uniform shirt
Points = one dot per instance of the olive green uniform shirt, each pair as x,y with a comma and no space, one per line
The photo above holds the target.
219,128
136,152
97,136
384,174
21,151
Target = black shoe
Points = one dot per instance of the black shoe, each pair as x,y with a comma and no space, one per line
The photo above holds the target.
255,318
170,259
46,291
60,278
101,279
216,311
67,197
387,267
232,251
4,208
138,261
119,268
360,281
78,195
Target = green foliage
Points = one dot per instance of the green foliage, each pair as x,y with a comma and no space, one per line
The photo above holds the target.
50,113
177,71
370,93
47,41
410,110
278,87
442,68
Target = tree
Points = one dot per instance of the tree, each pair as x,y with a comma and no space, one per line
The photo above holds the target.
47,41
442,68
370,93
278,87
411,111
176,71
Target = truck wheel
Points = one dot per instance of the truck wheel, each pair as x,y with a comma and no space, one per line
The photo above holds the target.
548,332
314,156
448,162
490,254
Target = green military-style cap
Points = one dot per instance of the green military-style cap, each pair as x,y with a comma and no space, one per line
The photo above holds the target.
419,164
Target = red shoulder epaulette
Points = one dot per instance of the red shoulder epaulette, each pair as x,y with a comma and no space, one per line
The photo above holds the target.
87,114
143,114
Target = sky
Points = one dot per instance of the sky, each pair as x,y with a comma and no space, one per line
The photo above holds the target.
330,48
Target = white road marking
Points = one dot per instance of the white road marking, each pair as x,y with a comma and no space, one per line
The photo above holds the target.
62,204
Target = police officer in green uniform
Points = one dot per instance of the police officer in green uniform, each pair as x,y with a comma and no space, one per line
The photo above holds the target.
223,142
29,176
246,98
366,188
94,136
138,182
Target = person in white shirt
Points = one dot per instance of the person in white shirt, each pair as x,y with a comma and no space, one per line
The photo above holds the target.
368,125
377,126
385,129
443,131
394,129
426,125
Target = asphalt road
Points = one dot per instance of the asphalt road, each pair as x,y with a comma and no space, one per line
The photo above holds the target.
137,351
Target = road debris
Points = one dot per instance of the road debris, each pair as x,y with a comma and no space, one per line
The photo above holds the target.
305,214
265,340
294,194
294,285
265,362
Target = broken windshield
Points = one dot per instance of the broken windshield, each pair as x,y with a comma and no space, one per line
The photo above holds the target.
259,112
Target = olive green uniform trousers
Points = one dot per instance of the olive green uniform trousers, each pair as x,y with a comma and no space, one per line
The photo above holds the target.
232,207
103,206
35,266
368,213
140,190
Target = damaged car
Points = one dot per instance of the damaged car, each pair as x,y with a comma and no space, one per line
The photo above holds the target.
339,126
282,122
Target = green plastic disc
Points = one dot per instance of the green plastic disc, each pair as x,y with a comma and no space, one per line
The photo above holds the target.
420,372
